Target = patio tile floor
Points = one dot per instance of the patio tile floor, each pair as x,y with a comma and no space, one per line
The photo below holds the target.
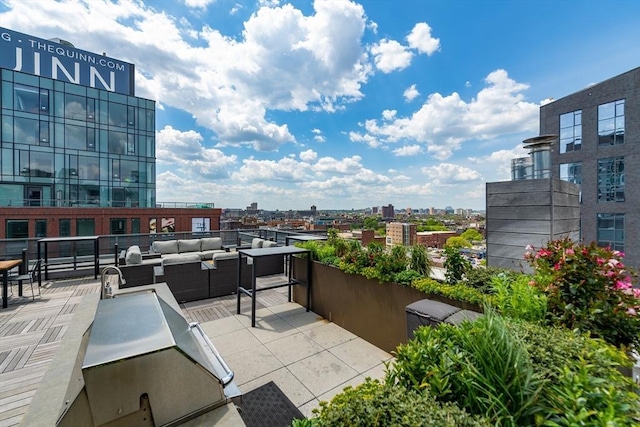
309,358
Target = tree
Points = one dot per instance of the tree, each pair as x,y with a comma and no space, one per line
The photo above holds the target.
370,223
420,260
457,242
456,265
472,235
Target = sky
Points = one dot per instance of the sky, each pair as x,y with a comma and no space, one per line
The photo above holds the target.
344,104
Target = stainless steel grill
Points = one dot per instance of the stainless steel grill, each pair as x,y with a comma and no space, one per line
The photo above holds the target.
141,363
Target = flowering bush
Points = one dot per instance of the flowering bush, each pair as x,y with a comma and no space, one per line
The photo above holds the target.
589,289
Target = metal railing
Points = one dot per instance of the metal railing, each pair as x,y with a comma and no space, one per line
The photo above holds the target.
77,255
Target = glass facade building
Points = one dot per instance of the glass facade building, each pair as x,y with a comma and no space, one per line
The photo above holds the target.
72,132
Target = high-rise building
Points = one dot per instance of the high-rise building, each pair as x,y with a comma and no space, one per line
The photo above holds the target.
599,149
388,211
73,131
77,147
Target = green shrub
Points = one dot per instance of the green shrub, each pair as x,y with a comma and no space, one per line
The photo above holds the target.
515,297
406,277
480,278
590,289
373,404
459,292
480,365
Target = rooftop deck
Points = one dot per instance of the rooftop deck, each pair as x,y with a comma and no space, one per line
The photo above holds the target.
308,357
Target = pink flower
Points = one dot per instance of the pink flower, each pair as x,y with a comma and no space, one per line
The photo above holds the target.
613,262
636,293
622,285
569,252
618,254
529,247
631,311
599,260
556,266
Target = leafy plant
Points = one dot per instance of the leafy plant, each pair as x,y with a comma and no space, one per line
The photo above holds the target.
456,265
589,289
457,242
516,297
458,291
481,366
375,404
420,261
472,235
480,278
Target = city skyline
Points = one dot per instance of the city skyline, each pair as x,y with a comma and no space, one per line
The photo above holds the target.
341,104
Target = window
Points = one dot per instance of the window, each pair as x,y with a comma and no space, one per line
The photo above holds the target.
118,226
611,180
611,123
65,227
571,131
30,99
17,229
41,228
135,225
611,231
75,107
571,172
85,227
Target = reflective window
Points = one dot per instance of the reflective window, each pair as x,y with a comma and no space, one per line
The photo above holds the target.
118,226
17,228
30,99
89,168
571,131
118,115
41,228
571,172
85,227
26,131
75,137
117,142
611,180
611,123
75,107
611,231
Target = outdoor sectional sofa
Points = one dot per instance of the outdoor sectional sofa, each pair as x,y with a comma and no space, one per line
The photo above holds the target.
204,248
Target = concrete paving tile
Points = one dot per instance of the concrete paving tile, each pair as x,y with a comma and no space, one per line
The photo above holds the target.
234,342
378,372
297,393
337,390
305,320
261,314
222,326
287,309
271,330
360,354
294,347
251,364
329,335
321,372
308,407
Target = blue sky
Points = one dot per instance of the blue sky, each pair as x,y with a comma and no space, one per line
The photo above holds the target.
344,104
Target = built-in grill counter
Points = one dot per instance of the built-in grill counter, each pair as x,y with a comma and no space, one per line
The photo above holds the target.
141,363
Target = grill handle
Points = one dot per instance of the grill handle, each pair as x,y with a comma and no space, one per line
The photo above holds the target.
229,373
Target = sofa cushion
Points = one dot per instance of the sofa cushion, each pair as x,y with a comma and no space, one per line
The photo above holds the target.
180,259
209,254
167,247
256,243
211,244
224,255
188,245
133,256
269,244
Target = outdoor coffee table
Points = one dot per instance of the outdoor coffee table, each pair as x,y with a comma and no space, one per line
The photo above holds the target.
255,255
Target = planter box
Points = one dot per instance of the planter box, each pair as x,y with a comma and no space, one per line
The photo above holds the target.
371,310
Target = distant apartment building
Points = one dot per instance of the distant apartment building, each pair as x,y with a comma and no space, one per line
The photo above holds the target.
388,212
400,233
599,150
434,239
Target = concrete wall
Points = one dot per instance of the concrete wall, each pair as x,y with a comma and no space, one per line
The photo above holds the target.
528,212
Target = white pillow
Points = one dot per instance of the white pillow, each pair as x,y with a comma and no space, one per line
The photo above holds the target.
133,256
211,243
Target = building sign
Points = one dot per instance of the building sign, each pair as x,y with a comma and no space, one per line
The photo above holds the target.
32,55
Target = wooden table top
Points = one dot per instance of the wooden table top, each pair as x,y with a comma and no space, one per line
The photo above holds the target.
8,265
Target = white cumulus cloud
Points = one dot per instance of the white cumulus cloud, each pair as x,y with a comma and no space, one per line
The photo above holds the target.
389,55
448,173
411,93
420,38
408,150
